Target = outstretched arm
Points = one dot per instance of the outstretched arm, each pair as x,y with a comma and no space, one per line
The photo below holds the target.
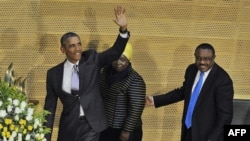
111,54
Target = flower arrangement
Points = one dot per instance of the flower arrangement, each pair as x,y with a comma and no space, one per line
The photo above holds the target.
19,119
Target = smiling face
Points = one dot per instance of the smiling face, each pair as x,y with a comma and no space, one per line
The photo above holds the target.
120,64
204,59
72,49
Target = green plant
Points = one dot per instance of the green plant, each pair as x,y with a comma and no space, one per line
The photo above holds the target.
19,119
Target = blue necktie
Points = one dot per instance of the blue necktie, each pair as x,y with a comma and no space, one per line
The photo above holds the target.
193,99
75,79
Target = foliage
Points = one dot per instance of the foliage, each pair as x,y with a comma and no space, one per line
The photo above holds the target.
19,119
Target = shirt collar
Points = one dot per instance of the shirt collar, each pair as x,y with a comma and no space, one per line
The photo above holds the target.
205,73
69,64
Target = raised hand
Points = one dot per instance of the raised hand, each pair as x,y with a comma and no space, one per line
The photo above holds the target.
120,18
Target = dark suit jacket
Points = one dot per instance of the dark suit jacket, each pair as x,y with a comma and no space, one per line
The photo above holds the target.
214,107
90,98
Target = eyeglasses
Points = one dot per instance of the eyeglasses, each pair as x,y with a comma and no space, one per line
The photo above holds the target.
205,59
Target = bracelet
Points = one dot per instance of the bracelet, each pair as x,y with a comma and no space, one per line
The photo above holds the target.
123,31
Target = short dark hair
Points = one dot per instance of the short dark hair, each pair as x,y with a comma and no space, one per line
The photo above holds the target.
205,46
66,36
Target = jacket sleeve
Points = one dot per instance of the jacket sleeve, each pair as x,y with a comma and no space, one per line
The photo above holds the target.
50,105
136,98
108,56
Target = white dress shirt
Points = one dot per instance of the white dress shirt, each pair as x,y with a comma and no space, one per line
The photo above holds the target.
198,76
67,75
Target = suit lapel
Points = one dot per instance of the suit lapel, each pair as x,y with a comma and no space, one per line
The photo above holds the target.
191,82
60,76
82,73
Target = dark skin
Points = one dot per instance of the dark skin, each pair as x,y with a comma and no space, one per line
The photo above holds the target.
72,49
120,65
73,46
204,59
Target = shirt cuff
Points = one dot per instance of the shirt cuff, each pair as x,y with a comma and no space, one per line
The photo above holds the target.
124,35
152,99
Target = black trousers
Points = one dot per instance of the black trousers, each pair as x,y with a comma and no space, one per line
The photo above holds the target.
188,135
85,132
113,134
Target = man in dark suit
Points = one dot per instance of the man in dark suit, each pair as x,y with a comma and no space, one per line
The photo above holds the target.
214,106
83,115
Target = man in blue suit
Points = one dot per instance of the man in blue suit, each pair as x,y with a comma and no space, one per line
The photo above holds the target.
214,106
83,115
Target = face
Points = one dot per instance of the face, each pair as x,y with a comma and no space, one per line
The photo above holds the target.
204,59
120,64
72,49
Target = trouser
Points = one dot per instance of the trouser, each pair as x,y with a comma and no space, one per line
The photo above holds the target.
188,135
84,131
113,134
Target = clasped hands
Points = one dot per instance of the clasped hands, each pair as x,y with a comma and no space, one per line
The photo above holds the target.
149,101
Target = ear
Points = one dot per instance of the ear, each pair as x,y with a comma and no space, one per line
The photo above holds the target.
62,50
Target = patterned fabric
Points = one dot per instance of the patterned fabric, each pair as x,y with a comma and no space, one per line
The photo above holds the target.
75,78
124,100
